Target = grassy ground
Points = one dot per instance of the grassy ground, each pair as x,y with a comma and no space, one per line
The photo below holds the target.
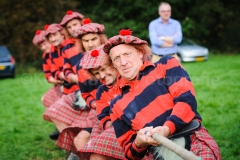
24,135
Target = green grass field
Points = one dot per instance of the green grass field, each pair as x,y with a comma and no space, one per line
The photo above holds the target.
24,134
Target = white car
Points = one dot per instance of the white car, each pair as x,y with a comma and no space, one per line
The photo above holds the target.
189,51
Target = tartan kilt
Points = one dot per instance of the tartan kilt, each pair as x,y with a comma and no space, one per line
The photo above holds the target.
204,146
105,144
62,111
51,96
66,137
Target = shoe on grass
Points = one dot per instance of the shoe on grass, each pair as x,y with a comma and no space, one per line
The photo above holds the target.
73,156
54,135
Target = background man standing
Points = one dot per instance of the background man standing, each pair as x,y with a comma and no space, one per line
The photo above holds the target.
164,33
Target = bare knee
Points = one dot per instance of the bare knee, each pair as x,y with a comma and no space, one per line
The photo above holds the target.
42,99
81,139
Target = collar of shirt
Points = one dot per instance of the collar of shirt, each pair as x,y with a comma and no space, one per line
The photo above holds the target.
72,40
123,82
65,42
160,20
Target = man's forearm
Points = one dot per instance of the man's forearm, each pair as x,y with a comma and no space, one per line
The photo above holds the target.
168,42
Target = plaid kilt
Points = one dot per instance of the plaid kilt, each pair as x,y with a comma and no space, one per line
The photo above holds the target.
51,96
66,137
105,144
62,111
204,146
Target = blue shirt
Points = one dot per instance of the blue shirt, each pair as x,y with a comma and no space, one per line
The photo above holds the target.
157,28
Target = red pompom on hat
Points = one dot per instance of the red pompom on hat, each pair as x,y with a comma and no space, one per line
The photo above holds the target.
125,32
38,32
69,12
94,53
89,28
93,59
46,27
69,16
39,37
125,37
87,20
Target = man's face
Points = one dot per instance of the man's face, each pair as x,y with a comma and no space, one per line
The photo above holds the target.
127,60
73,25
106,74
91,41
56,39
165,12
45,46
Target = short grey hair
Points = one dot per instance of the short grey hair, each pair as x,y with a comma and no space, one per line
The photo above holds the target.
163,3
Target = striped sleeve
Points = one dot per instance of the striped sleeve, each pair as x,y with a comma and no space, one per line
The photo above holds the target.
181,89
46,65
70,60
125,134
103,105
88,86
55,70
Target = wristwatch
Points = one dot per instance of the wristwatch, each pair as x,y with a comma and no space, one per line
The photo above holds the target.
162,38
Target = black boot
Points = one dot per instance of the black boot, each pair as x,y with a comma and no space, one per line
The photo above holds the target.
54,135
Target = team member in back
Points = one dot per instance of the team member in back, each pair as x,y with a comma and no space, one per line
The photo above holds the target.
61,112
77,135
72,21
99,65
54,93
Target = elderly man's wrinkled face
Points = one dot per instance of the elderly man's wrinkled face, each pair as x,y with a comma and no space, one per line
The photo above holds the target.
56,39
127,60
45,46
73,25
165,12
91,41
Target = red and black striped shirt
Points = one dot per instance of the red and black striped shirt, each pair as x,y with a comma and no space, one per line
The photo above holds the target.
161,95
71,57
57,60
88,85
104,96
46,65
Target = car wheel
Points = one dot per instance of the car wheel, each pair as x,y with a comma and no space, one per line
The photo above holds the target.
13,73
179,57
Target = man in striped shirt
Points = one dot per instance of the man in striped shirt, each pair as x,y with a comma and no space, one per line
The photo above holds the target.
155,98
60,113
91,36
73,21
54,93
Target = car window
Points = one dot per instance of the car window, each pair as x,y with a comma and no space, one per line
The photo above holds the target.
4,52
186,41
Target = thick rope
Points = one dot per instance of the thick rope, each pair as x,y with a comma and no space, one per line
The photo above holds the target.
182,152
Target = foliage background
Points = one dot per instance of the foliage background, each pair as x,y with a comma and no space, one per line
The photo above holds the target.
214,24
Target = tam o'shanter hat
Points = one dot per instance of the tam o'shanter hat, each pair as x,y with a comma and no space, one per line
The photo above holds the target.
69,16
124,37
93,59
39,37
89,27
53,28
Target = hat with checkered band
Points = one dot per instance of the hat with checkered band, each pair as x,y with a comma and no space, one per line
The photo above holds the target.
89,27
69,16
124,37
39,37
53,28
93,59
